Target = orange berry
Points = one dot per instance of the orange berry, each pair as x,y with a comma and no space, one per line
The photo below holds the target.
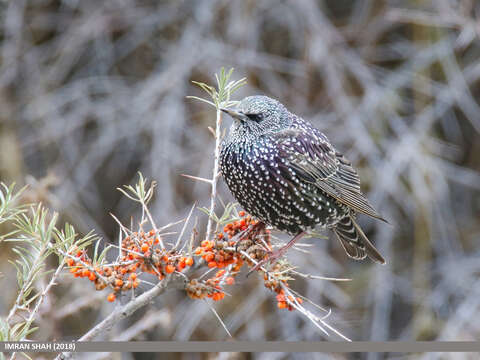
220,273
181,265
209,257
92,276
243,222
212,264
220,236
169,269
118,282
198,250
145,247
157,241
218,296
241,213
111,297
151,233
204,243
135,284
133,276
165,258
229,280
282,304
70,262
189,261
123,270
299,300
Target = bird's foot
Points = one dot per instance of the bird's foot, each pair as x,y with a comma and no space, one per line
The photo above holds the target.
273,256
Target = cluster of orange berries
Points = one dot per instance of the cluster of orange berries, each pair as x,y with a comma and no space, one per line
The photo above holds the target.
138,252
274,283
221,252
241,241
210,288
286,302
224,250
141,249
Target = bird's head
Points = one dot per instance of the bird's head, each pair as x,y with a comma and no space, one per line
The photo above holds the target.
258,115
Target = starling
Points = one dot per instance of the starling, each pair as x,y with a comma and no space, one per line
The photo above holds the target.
288,175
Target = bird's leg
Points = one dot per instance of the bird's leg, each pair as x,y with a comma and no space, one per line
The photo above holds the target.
274,255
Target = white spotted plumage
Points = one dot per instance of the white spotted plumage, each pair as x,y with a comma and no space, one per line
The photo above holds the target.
287,174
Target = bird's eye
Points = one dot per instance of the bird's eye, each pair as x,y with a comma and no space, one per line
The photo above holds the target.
255,117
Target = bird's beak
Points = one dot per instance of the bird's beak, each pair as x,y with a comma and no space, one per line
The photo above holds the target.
237,115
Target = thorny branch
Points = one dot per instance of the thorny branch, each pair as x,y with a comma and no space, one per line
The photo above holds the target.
121,313
215,176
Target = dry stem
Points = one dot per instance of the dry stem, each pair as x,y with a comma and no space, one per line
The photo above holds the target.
213,194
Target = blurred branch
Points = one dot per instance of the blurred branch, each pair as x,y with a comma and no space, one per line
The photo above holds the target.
121,313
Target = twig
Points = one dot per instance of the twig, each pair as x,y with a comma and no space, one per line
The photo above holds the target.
179,239
120,313
208,181
149,321
309,276
219,318
213,193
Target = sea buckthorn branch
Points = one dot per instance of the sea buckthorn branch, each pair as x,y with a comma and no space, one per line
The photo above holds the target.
35,239
142,194
121,313
220,96
244,240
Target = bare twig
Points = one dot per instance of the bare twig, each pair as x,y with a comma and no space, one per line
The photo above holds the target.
216,164
121,313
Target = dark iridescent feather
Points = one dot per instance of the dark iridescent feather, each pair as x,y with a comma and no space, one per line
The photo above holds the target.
320,164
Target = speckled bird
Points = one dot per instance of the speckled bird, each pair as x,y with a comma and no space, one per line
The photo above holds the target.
288,175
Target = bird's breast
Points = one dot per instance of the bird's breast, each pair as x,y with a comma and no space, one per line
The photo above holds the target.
263,182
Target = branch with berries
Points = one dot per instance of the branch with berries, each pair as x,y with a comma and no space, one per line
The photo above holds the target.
203,272
202,267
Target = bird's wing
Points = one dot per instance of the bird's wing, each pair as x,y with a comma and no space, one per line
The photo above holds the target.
314,160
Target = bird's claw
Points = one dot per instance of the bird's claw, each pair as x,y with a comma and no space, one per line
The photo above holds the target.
271,257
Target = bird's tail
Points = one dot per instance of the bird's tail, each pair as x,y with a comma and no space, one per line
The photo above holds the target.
354,241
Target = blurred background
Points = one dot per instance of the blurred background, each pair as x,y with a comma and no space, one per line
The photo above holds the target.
93,91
